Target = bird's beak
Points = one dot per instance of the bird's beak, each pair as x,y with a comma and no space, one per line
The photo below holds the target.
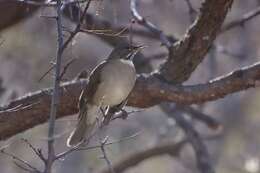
138,48
135,50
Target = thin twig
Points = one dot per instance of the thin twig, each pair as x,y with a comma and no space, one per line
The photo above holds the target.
19,107
142,21
72,35
65,68
80,147
240,22
37,151
18,160
192,11
105,32
47,72
105,157
78,27
23,167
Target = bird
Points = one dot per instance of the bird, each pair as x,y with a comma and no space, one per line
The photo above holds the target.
109,85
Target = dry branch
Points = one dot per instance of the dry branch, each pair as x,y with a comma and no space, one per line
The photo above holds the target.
12,12
241,21
171,149
33,109
188,53
152,89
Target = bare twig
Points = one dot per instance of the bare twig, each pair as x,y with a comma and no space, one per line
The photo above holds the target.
81,147
104,156
108,33
192,11
22,163
18,107
99,24
240,22
78,27
66,43
142,21
37,151
23,167
55,95
47,72
65,68
171,148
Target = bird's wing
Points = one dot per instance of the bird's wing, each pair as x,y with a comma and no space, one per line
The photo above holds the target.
91,88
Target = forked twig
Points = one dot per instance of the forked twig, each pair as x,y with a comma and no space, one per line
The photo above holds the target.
104,156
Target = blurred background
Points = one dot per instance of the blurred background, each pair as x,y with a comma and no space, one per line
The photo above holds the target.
29,47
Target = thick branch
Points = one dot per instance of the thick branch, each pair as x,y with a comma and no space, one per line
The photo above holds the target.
188,53
33,109
12,12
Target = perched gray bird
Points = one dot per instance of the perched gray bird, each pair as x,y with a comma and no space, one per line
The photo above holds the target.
109,85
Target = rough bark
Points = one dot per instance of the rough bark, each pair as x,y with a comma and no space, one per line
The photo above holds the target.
187,53
33,109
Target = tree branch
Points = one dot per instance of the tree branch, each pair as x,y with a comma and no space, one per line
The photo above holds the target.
241,21
142,21
188,53
33,109
55,98
73,11
204,163
171,149
12,12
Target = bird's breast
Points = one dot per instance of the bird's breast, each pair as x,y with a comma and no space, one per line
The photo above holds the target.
117,80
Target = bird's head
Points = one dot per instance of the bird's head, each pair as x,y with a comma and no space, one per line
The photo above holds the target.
125,51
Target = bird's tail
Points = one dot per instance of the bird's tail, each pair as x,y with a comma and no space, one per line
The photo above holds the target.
82,131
